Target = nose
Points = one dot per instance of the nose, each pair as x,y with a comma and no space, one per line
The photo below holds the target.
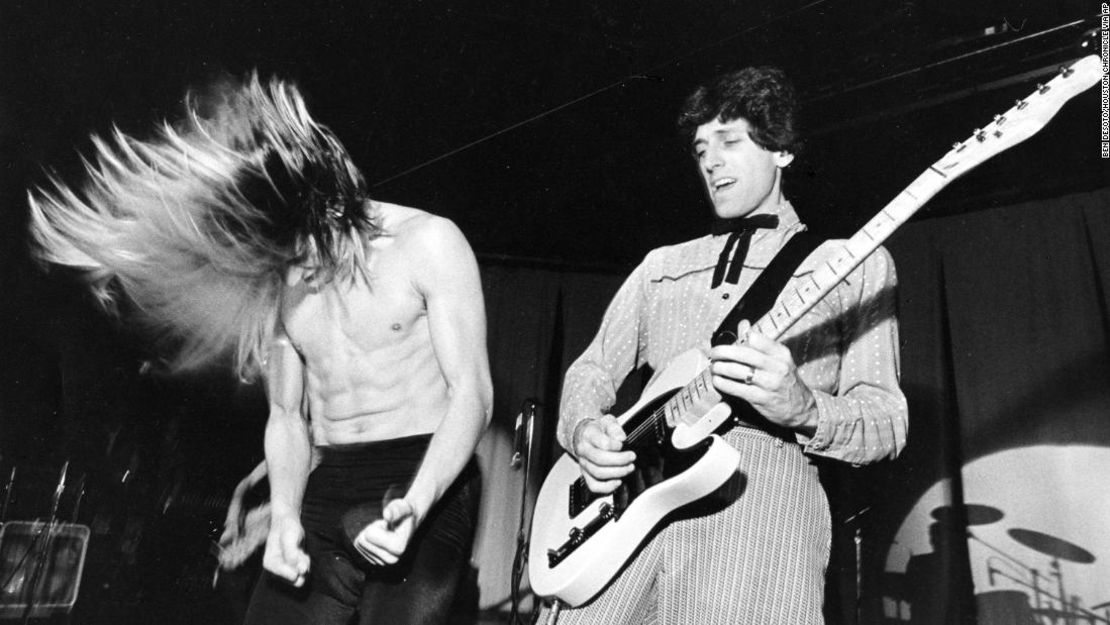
712,159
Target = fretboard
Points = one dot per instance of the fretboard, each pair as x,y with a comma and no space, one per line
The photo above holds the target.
794,303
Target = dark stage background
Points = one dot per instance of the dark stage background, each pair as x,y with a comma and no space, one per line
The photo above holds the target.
545,130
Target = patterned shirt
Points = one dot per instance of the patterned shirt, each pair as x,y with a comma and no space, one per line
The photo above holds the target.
845,347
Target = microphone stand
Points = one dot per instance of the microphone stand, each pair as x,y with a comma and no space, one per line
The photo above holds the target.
857,539
522,456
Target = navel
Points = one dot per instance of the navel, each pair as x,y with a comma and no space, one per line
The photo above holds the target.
396,327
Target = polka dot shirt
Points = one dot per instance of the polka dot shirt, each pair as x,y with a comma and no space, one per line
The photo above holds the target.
846,346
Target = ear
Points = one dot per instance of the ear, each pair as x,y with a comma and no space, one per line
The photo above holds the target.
783,158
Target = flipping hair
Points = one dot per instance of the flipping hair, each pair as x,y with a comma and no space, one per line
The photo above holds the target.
199,226
762,96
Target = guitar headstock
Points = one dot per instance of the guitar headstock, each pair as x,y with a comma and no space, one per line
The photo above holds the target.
1024,119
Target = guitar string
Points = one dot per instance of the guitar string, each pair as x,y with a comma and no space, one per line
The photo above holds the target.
645,427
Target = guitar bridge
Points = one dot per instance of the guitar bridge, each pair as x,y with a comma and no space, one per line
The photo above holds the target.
580,535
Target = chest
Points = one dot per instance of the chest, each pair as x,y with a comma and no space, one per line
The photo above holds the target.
354,315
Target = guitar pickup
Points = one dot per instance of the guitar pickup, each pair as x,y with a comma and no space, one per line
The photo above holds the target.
580,535
579,497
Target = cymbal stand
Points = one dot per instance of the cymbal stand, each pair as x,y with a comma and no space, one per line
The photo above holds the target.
1009,557
1059,575
1036,588
1034,574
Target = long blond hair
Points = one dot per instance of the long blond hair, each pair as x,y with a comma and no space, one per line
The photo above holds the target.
198,226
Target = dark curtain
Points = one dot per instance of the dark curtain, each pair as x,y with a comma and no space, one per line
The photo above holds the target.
997,505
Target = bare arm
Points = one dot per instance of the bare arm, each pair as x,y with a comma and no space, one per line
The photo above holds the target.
288,458
457,322
449,281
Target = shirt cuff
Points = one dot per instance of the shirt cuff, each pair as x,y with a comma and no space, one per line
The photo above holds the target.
823,436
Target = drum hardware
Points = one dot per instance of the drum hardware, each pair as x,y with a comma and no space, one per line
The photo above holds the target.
40,561
1057,549
1105,607
7,496
75,515
1046,603
1011,559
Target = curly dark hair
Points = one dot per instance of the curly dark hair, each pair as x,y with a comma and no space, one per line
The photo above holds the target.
762,96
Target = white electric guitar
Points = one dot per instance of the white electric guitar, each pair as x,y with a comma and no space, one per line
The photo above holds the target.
580,540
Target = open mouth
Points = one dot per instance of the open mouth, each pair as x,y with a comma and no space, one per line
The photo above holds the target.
722,184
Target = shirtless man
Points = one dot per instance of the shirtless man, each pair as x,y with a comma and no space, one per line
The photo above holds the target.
387,364
246,228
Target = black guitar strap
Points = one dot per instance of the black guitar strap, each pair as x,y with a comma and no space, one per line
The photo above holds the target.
761,296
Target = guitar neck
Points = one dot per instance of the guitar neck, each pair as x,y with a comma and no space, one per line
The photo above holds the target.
794,304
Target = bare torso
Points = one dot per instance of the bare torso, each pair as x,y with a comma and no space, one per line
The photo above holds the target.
370,368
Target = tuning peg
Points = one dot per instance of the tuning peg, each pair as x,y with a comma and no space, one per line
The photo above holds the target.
1020,104
1066,71
999,120
1041,88
979,135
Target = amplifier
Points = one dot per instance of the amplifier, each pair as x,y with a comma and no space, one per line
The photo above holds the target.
40,567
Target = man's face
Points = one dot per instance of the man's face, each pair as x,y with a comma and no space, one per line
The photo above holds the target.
741,177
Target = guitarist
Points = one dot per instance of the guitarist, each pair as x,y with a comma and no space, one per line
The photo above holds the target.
758,554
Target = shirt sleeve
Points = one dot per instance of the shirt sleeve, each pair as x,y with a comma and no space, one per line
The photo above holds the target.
866,418
591,383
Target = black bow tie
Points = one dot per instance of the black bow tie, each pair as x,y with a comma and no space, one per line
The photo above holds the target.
740,231
739,224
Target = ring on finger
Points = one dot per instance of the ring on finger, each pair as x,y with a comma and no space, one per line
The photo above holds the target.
751,374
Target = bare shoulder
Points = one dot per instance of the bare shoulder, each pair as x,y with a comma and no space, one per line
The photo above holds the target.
433,249
413,226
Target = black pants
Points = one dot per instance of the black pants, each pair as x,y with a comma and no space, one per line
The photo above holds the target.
344,494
